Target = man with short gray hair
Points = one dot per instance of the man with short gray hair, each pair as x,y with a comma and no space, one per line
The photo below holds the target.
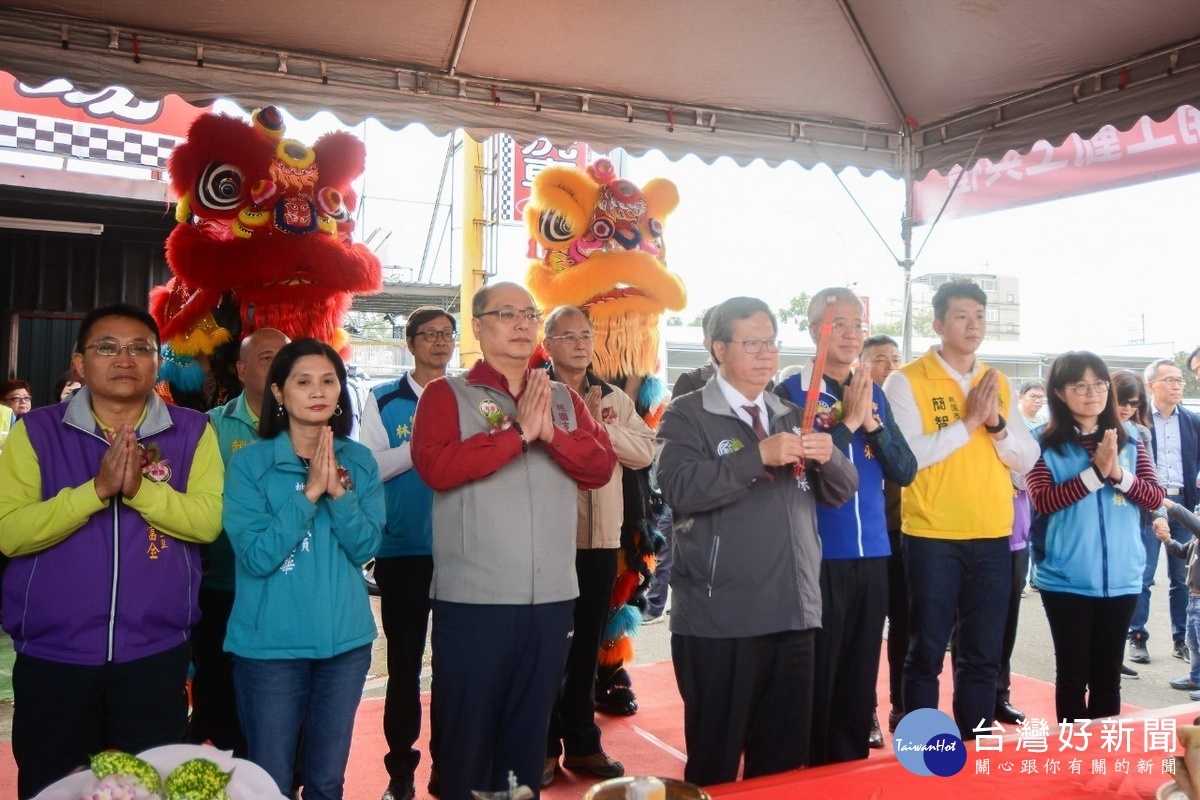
1175,447
505,450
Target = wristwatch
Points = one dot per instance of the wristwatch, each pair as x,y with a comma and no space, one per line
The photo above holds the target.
999,426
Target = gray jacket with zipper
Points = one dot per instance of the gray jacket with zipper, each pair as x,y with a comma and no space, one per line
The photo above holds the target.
747,555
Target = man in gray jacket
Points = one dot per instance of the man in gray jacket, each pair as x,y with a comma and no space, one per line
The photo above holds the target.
746,585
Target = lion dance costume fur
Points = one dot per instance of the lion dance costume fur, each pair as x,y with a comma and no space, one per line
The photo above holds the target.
597,243
262,241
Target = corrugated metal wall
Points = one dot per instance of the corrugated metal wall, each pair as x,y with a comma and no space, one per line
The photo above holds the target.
48,281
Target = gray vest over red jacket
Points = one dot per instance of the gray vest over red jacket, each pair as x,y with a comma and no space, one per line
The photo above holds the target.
115,589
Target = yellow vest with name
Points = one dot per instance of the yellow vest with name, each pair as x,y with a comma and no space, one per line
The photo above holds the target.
968,495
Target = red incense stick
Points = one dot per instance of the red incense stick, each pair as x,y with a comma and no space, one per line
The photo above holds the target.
824,337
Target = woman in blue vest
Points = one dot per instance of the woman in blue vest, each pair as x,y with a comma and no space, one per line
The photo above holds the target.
304,511
1089,486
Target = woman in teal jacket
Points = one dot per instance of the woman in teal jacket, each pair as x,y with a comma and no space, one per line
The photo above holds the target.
1088,486
304,510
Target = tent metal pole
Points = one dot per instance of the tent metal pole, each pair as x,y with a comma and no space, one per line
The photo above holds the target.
906,234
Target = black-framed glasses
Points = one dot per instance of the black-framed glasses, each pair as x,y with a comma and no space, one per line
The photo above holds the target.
573,338
509,315
433,336
110,348
1131,402
755,346
1083,388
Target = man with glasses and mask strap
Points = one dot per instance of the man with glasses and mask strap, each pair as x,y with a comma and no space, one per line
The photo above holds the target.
957,515
854,538
505,450
573,730
104,500
1175,441
404,564
746,583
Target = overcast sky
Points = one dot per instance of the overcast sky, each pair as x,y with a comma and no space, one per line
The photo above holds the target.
1096,272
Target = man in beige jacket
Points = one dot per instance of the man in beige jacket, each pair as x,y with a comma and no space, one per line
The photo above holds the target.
573,730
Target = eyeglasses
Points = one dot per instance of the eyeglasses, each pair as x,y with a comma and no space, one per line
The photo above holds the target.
509,315
109,348
18,398
1172,381
572,339
433,336
853,326
1084,388
1132,402
755,346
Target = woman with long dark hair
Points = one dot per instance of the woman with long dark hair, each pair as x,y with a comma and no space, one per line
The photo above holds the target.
1133,407
1089,484
304,510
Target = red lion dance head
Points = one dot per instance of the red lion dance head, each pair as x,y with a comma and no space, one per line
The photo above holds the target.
263,238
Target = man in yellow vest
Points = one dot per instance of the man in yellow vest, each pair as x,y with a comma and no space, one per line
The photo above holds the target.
958,513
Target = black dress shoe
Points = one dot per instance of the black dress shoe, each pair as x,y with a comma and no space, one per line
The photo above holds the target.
875,739
1007,712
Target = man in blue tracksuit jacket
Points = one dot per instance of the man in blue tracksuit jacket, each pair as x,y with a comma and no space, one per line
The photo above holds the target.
404,565
854,536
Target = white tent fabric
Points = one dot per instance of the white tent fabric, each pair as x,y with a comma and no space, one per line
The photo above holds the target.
899,85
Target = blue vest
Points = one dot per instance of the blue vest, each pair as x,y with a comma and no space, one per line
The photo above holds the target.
409,529
1094,547
858,529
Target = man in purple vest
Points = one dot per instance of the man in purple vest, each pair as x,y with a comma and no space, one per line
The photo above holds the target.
103,501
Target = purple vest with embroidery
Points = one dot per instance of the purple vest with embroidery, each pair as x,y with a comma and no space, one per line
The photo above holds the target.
116,589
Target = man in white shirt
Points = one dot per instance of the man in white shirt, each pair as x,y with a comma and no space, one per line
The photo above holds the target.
958,513
1175,439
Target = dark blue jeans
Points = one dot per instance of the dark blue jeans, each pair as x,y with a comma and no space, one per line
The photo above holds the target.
968,582
1177,594
277,697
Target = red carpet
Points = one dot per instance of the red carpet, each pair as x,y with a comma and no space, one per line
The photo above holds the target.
648,743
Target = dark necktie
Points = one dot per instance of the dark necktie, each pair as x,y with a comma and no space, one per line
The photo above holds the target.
759,431
756,420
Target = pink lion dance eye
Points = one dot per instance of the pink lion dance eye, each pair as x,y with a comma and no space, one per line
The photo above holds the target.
602,229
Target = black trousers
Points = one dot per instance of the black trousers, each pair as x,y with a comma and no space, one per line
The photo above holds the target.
496,672
1089,644
573,727
403,584
214,707
749,696
1020,565
853,603
897,614
63,713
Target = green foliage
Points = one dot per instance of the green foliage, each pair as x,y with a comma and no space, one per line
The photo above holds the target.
1191,386
198,779
117,763
922,326
796,310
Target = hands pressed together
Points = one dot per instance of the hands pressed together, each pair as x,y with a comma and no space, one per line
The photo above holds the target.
120,470
983,401
858,403
1105,457
533,408
323,477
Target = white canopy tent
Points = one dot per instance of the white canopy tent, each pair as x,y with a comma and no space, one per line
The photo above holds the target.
903,86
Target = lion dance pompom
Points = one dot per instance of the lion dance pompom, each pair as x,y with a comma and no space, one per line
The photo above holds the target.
262,240
597,243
